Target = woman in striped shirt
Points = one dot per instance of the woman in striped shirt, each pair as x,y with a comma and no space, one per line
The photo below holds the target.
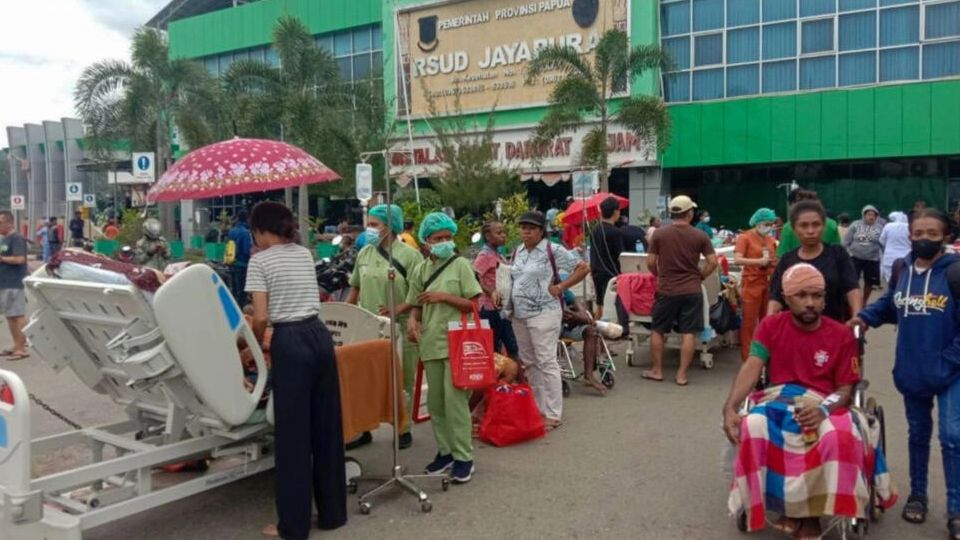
306,387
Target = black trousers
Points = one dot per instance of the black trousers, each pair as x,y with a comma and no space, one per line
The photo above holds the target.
308,428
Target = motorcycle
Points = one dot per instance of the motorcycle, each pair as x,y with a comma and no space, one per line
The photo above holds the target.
333,274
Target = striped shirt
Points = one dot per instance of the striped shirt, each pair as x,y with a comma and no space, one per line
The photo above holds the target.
287,274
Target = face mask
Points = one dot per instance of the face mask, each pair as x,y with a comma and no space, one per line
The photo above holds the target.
705,219
371,236
764,229
443,250
925,249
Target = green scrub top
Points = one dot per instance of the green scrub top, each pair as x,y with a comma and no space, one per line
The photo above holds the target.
370,275
790,242
457,279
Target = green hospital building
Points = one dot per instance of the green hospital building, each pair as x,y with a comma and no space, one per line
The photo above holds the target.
857,99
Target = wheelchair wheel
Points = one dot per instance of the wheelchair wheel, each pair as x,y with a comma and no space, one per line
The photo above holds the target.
742,521
607,379
565,388
860,528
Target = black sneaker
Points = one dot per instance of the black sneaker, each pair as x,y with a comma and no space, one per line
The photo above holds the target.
439,465
406,440
462,472
363,440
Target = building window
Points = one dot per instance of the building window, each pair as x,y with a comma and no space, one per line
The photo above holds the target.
901,64
819,72
743,80
858,31
707,84
358,53
779,76
742,12
858,68
707,15
805,44
942,21
779,40
816,36
708,50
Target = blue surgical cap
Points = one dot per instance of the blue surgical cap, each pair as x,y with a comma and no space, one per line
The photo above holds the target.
437,221
395,221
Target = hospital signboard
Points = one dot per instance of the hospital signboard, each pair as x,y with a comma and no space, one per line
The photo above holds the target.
479,51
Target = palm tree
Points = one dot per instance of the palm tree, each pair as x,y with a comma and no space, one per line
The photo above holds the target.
144,100
589,92
305,102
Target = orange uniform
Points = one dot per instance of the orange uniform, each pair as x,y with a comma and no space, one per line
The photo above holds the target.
755,292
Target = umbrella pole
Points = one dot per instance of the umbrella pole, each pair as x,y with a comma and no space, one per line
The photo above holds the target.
397,479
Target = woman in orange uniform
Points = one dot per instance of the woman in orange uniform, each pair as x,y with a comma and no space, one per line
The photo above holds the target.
755,252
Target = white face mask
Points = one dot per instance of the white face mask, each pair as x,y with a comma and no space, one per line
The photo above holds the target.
705,219
764,229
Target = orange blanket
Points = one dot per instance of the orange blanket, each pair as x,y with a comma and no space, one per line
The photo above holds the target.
364,370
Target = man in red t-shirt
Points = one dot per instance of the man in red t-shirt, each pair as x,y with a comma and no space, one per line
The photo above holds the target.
813,363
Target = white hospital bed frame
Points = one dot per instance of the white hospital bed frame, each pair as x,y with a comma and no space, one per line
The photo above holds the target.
175,367
638,326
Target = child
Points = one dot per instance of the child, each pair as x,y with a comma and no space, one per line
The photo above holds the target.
486,263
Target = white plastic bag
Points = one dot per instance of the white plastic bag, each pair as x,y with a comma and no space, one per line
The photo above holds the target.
504,288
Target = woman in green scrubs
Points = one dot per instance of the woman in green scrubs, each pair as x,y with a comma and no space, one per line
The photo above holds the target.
370,287
441,289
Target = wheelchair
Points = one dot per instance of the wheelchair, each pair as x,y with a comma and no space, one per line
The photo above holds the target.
847,527
566,353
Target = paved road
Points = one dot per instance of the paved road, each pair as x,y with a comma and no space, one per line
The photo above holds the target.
644,462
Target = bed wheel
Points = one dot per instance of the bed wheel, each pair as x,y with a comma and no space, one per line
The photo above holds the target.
608,380
629,356
365,508
706,360
742,521
565,387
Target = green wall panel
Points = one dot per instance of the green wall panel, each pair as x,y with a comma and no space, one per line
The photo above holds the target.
861,135
711,141
916,119
808,125
735,131
833,125
251,25
758,130
783,135
889,118
944,131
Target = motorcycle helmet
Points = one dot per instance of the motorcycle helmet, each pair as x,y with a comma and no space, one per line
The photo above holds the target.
152,228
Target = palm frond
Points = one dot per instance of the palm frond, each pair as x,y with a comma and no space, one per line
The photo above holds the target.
564,59
149,51
612,59
647,57
593,153
250,76
292,39
647,116
576,93
100,85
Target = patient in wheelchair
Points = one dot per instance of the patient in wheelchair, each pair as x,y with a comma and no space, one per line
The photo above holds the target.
802,451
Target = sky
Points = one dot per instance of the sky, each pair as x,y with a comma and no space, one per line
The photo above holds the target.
46,44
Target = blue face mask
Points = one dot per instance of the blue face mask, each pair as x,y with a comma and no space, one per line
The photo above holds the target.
371,236
443,250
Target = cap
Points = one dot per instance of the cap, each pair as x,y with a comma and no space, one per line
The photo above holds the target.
681,204
533,218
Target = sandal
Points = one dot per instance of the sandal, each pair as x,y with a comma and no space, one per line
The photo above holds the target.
953,525
17,356
647,374
787,525
552,424
6,352
270,531
915,511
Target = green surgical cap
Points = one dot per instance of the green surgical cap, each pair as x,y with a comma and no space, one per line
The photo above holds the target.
761,215
395,222
437,221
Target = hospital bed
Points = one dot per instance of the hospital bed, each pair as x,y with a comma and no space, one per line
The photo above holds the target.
172,361
639,326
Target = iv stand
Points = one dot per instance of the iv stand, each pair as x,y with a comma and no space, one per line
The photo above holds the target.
396,478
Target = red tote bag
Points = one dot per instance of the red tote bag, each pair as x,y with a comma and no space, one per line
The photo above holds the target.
512,416
471,353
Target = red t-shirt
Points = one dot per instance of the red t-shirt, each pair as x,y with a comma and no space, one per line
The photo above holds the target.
822,360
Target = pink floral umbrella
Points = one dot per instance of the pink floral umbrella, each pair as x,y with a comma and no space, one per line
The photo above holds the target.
239,166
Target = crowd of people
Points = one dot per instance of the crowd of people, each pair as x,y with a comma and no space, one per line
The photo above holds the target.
803,287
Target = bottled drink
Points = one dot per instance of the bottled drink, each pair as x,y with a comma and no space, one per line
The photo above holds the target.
639,247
